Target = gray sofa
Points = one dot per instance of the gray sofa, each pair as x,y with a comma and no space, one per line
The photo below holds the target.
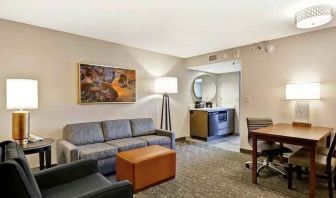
103,140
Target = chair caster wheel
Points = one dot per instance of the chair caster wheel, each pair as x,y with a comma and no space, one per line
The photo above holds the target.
257,174
285,176
247,166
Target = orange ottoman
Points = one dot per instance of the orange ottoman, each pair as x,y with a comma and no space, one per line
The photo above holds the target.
146,166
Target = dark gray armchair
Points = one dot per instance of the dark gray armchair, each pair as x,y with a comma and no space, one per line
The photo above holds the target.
77,179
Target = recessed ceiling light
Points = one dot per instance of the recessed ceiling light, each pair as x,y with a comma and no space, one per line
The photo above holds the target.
314,16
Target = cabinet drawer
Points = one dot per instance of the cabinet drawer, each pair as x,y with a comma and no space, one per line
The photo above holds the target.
222,125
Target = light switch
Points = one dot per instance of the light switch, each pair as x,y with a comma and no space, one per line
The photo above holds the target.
247,99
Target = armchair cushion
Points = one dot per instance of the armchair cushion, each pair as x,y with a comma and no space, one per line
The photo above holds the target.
83,133
65,173
122,189
77,187
97,151
155,140
116,129
127,143
142,126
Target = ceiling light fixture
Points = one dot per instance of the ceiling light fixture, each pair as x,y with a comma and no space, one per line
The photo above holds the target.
314,16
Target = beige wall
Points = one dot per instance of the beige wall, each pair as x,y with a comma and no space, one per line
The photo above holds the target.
308,57
228,93
51,57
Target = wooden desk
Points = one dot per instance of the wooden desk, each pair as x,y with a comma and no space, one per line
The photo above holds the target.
297,135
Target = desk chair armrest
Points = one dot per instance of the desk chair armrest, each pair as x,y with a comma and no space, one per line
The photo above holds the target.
169,134
65,173
122,189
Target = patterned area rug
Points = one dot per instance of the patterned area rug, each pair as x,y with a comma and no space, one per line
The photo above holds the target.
206,171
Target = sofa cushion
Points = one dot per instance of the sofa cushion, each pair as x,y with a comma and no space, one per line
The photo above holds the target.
116,129
155,140
142,126
83,133
97,151
77,187
127,143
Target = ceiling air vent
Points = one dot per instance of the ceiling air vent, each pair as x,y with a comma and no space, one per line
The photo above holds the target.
213,57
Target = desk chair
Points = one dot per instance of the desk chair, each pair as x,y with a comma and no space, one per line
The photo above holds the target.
265,148
324,163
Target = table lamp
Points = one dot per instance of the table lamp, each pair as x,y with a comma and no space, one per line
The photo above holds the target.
21,94
302,93
165,86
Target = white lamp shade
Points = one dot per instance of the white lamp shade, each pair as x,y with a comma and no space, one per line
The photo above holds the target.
303,91
22,94
166,85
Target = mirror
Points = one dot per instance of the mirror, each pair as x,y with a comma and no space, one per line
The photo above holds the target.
204,87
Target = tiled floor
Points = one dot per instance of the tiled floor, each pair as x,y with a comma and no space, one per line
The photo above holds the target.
231,143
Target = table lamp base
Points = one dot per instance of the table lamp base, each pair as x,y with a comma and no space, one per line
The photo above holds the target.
20,126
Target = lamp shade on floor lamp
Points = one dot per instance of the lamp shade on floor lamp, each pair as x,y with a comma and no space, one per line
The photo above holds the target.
165,86
21,94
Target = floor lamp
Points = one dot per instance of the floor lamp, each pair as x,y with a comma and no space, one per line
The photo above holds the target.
165,86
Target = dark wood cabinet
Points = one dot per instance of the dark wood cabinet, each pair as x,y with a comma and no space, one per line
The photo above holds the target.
210,124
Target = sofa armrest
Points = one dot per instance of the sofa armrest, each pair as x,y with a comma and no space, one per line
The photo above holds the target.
122,189
169,134
66,152
65,173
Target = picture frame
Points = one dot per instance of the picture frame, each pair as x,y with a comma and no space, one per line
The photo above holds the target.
102,84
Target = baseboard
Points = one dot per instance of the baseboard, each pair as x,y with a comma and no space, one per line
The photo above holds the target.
246,151
180,138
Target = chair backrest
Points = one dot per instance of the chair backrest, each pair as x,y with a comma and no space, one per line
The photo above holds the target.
16,180
116,129
331,150
142,126
257,123
84,133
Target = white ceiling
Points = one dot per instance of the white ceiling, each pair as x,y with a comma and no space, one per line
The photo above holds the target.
182,28
219,68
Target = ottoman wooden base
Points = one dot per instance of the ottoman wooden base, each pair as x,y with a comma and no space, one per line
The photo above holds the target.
146,166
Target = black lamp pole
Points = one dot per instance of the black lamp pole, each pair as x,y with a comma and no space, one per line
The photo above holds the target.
165,112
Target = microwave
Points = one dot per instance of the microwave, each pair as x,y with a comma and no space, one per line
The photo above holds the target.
222,116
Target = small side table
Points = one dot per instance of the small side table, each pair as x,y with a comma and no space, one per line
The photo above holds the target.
42,147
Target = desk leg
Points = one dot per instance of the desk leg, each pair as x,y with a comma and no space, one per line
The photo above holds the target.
254,159
41,154
48,156
312,176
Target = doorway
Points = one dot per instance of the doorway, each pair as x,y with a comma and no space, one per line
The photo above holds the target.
227,76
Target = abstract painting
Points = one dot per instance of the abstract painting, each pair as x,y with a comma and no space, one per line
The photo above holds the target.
106,84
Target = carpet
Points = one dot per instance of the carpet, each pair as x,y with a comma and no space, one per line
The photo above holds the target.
207,171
